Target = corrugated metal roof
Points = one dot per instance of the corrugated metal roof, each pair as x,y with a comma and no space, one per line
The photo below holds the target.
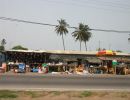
123,54
56,51
71,52
93,60
35,51
66,52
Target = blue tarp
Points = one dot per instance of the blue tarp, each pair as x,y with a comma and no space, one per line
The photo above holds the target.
35,70
21,66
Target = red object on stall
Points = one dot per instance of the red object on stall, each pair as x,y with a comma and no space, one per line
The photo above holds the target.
105,52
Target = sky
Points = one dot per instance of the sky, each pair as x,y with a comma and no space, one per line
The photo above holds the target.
97,14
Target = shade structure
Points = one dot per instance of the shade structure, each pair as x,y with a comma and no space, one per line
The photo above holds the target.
105,52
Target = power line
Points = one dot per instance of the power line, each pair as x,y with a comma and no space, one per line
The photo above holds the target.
116,31
31,22
19,20
103,3
93,4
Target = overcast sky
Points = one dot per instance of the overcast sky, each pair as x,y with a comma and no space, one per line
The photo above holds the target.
98,14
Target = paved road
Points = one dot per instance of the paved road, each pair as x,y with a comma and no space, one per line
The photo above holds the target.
64,82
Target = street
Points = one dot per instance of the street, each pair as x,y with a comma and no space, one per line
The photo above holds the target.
63,82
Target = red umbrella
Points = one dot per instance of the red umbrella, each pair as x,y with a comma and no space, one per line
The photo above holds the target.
105,52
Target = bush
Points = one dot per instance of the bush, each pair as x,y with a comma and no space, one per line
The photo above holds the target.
7,94
86,94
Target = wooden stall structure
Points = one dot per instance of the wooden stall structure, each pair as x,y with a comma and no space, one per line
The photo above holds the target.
114,62
32,59
61,61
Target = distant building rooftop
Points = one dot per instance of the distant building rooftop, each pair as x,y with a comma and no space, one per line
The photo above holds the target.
65,52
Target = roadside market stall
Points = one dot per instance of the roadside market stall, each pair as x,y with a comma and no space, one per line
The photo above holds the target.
116,63
28,57
107,64
61,61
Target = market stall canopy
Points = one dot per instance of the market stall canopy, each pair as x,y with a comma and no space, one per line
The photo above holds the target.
105,52
119,59
93,60
27,51
56,51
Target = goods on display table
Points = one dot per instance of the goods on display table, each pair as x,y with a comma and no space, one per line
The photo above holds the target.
114,63
3,68
21,68
45,68
40,68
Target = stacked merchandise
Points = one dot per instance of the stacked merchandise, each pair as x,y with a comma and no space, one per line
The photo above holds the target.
3,68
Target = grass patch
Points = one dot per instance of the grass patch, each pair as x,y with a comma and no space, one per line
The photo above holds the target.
36,94
56,93
74,94
8,94
32,94
123,95
86,94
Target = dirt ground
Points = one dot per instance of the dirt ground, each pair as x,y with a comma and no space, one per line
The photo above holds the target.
66,95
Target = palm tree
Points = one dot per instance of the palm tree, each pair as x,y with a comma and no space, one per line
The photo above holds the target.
87,35
78,34
3,42
62,30
82,34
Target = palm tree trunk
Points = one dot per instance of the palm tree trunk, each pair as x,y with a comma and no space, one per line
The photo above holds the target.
80,45
63,42
85,46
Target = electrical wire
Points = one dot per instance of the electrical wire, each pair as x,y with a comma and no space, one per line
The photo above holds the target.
104,3
116,31
31,22
93,4
19,20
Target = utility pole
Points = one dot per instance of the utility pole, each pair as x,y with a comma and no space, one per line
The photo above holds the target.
129,38
99,45
109,46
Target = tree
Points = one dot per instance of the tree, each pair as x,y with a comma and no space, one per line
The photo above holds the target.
62,30
119,51
2,46
87,35
19,47
3,42
82,34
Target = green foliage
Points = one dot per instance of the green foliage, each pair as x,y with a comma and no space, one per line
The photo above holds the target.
61,29
2,45
119,51
32,94
98,49
36,94
86,94
3,42
2,48
8,94
82,34
19,47
56,93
